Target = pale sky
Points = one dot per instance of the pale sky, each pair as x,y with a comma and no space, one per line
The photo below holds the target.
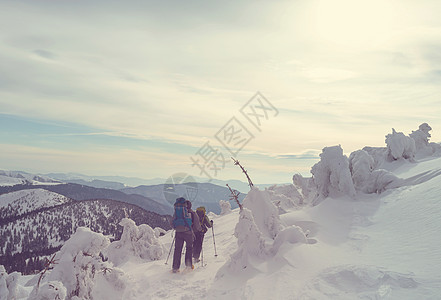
137,88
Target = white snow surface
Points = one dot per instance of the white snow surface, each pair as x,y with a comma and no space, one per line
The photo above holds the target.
353,244
376,246
24,201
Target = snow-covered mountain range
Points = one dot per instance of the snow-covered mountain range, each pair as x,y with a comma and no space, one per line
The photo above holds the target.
150,197
9,178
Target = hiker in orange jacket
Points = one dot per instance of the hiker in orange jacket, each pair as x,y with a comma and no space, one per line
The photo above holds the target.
199,236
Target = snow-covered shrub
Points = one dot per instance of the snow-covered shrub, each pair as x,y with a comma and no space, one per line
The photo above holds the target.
305,186
251,246
379,154
331,174
361,165
4,292
254,247
249,237
381,180
292,235
265,213
80,265
159,231
400,146
12,284
285,197
225,207
136,241
421,137
49,291
365,178
8,284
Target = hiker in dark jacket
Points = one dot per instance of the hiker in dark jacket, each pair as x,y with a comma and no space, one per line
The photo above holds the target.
185,234
199,236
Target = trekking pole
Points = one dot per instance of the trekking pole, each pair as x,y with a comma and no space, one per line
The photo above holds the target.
173,241
214,242
202,254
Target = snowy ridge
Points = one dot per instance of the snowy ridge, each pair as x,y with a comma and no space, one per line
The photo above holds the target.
18,203
10,178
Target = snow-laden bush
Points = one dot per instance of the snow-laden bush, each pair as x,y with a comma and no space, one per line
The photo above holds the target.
80,265
361,165
225,207
285,197
265,213
49,291
421,137
331,174
400,146
4,292
136,241
365,178
381,180
251,246
379,155
9,288
255,246
249,238
305,186
159,231
13,287
291,235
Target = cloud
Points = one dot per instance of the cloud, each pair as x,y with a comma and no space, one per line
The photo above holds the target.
327,75
173,73
45,54
310,154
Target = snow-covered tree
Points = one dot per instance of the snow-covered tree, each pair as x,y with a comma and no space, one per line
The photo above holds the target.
80,265
12,283
251,246
4,292
9,288
265,213
136,241
331,174
306,187
368,180
400,146
52,290
285,197
423,146
361,165
225,207
159,231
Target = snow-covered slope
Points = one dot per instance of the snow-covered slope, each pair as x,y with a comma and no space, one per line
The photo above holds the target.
374,247
352,231
18,203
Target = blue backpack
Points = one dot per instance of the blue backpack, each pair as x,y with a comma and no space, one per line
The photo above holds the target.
182,216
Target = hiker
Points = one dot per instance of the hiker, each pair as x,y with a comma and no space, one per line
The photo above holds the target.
182,223
196,225
205,224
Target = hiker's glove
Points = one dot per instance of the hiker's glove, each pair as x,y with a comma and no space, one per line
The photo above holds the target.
211,222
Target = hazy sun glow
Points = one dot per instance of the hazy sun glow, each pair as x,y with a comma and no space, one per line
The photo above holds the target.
351,23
